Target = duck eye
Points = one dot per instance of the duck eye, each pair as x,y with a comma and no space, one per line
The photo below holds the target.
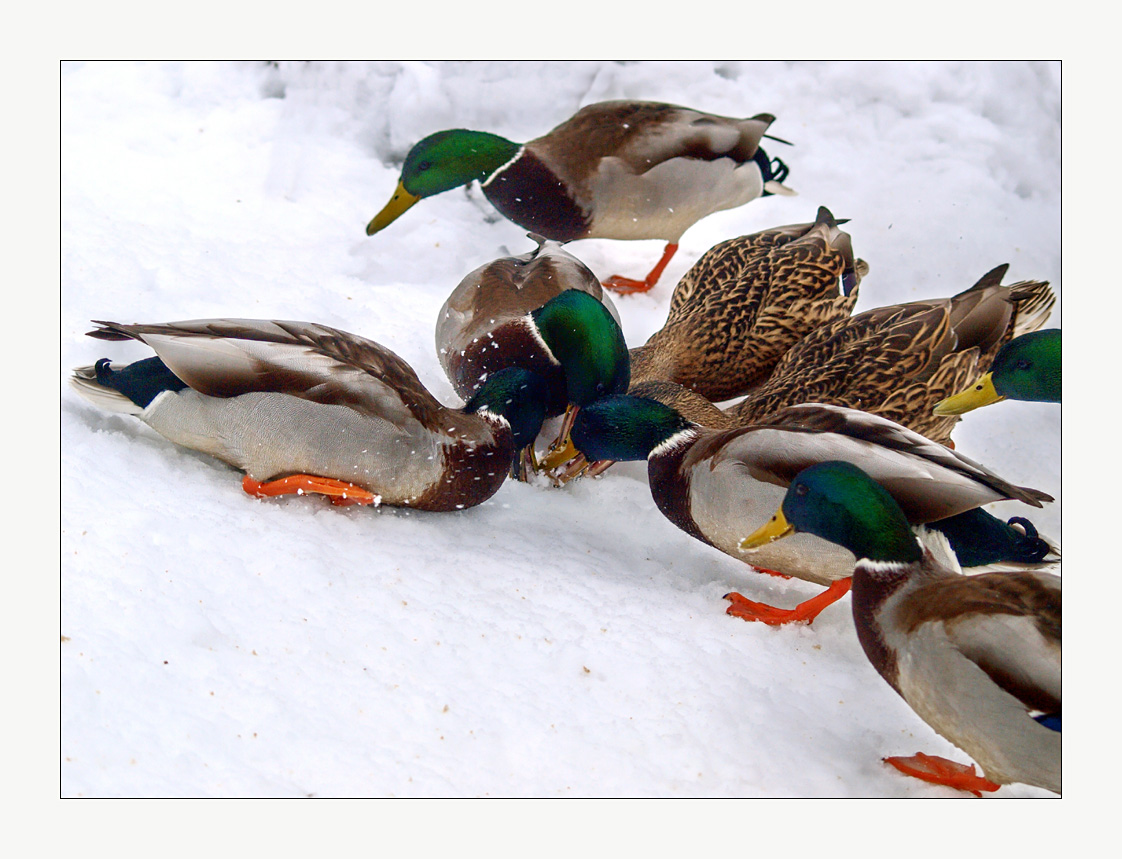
801,489
1023,364
424,165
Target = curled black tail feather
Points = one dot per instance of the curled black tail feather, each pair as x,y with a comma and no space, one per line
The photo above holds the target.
979,539
140,381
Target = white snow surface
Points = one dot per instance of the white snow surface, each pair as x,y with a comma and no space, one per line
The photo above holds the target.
549,642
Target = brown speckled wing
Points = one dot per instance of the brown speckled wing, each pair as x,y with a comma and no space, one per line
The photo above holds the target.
899,361
746,302
643,134
228,357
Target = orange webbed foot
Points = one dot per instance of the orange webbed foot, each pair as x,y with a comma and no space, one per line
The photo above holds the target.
747,609
340,492
943,771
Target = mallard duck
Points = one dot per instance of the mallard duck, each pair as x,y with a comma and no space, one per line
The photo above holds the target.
615,170
307,408
747,301
718,485
898,361
1026,368
977,657
542,311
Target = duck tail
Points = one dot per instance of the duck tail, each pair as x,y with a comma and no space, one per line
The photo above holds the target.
125,388
983,543
1033,302
828,227
85,383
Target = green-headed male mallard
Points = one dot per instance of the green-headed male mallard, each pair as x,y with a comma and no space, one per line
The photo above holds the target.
542,311
615,170
977,657
1026,368
719,485
306,408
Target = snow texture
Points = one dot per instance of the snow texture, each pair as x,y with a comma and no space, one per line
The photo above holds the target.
549,642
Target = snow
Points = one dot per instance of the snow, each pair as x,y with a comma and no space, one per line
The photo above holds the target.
548,642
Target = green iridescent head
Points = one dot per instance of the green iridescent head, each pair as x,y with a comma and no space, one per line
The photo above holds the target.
840,503
1026,368
441,162
519,396
585,338
623,428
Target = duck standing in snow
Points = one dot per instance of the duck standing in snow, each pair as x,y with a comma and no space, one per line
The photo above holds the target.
1027,368
614,170
719,485
304,408
977,657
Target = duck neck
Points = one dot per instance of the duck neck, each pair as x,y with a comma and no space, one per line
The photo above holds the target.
526,191
580,333
874,582
669,480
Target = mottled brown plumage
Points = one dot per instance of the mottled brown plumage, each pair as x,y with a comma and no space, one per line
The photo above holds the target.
898,361
748,300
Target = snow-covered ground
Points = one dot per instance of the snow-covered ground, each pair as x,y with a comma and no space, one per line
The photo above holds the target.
549,642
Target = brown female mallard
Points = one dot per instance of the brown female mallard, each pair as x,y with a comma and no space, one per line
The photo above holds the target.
896,361
899,361
746,302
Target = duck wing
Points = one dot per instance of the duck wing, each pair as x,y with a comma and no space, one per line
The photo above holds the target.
1008,624
928,480
746,302
229,357
642,135
907,357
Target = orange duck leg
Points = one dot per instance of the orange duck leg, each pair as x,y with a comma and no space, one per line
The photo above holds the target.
942,771
340,492
746,609
628,285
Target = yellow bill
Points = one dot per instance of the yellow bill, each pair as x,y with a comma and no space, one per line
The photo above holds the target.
394,209
981,393
776,529
561,452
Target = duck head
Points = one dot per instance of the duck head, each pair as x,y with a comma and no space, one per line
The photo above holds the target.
588,343
1026,368
623,428
840,503
519,396
441,162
